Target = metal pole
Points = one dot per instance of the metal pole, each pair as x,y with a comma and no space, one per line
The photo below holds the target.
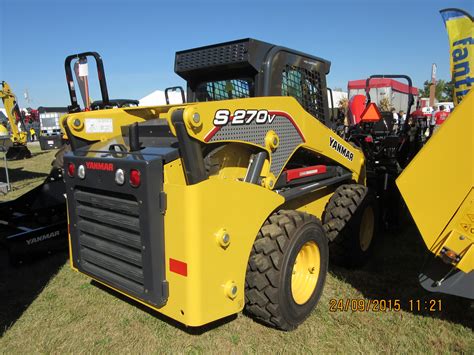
4,151
6,171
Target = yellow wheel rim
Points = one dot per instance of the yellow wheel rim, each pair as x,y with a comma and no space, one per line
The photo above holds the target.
305,272
366,232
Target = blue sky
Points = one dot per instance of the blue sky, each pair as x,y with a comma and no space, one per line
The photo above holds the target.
137,39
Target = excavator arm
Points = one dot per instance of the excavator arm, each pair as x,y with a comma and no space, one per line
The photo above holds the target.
19,137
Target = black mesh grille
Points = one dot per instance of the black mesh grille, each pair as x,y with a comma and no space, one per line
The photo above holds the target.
108,226
224,90
209,57
305,86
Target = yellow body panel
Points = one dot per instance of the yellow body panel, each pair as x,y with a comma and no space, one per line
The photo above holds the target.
194,216
3,131
314,203
233,162
437,185
77,122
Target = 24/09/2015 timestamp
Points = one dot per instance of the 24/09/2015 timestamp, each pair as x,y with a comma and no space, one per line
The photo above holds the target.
374,305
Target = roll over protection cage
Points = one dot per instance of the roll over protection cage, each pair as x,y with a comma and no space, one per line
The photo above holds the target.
411,100
70,79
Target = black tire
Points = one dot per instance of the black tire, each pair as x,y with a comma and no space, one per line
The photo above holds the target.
58,162
268,283
344,221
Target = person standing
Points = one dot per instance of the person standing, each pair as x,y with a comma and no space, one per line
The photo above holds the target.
32,134
396,120
432,121
401,118
440,117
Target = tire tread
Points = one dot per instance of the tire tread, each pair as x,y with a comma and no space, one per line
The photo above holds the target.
262,278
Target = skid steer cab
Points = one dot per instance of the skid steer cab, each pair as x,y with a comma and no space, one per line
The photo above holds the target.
233,200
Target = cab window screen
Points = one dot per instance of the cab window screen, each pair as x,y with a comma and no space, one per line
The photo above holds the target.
224,90
304,86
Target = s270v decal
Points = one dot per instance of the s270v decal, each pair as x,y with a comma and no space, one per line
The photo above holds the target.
242,120
242,117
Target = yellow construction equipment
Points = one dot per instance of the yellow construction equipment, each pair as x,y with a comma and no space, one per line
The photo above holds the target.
230,201
438,189
438,184
19,137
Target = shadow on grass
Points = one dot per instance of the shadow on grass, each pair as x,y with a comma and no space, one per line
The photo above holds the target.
20,285
35,154
392,274
18,174
190,330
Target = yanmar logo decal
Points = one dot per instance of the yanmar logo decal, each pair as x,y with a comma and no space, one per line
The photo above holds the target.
93,165
346,153
42,238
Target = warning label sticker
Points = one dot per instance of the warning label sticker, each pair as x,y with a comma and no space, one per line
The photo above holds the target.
99,125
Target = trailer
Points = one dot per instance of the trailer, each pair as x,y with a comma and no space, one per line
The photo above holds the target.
50,136
396,92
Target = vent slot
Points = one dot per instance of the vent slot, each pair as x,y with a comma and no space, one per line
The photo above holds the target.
109,238
213,56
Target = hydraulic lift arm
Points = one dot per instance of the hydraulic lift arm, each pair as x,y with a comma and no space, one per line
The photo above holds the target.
19,137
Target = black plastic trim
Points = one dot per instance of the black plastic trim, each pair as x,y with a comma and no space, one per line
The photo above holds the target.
190,151
305,189
256,168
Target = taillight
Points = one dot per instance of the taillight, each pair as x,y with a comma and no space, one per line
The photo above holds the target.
135,178
71,169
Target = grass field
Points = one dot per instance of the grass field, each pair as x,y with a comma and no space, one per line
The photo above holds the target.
45,307
26,174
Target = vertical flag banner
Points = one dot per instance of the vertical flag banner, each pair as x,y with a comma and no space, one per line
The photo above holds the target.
460,27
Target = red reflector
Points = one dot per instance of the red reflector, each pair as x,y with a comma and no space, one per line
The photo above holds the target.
371,113
135,178
368,139
304,172
178,267
71,169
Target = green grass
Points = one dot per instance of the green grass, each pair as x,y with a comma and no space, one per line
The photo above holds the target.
45,307
28,173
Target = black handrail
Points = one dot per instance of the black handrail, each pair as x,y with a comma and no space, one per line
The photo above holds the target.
70,80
